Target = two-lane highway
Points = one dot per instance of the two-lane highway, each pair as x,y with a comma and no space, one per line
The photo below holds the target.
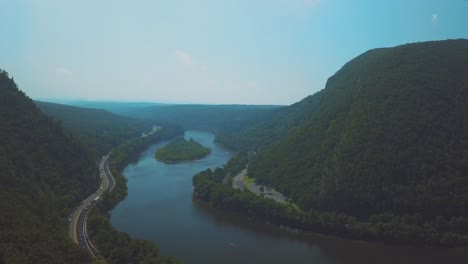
79,217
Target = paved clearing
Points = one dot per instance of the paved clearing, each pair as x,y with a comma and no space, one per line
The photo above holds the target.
238,183
238,180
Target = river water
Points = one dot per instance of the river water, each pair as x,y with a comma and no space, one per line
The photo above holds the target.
159,207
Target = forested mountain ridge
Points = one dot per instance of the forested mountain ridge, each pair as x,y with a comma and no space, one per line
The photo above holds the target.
270,128
213,118
44,174
389,134
100,129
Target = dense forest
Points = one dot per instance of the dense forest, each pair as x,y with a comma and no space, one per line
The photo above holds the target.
402,229
45,173
387,135
115,246
380,154
101,130
181,149
214,118
265,131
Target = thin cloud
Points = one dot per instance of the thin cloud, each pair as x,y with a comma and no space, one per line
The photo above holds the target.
435,18
64,71
184,57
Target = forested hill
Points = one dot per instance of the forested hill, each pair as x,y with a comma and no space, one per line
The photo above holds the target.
389,134
213,118
180,150
44,174
98,128
272,127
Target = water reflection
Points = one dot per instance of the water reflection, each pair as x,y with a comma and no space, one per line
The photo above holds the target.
159,207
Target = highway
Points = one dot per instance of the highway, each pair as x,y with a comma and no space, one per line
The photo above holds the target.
78,218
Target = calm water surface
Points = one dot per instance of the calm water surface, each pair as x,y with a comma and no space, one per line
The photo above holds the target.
159,207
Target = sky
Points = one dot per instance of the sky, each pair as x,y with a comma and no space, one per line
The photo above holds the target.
205,51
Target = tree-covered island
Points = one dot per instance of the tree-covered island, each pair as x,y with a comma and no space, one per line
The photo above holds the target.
182,150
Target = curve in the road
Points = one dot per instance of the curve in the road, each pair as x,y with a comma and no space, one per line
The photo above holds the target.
78,219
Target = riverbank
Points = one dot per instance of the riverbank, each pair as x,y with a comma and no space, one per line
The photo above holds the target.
241,181
160,207
106,238
407,229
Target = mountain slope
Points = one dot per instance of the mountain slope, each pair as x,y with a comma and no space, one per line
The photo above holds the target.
270,128
100,129
203,117
44,174
389,134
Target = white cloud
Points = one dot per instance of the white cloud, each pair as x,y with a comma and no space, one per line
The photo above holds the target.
184,57
311,2
63,71
435,18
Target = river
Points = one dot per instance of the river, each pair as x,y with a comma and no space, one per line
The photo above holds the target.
159,207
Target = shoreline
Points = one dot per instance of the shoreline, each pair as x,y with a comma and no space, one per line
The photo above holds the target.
306,234
103,211
181,161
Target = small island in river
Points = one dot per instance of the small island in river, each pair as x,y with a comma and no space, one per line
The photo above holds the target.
182,150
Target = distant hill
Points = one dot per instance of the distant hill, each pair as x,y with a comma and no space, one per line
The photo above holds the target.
44,175
98,128
388,134
272,126
215,118
119,108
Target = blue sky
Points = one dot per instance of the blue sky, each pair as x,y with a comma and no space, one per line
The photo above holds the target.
189,51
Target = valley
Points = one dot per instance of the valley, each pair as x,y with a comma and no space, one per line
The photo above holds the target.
251,132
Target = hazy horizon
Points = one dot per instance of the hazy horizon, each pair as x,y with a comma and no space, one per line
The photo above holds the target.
91,101
205,52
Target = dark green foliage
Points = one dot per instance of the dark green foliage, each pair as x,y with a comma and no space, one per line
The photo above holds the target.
388,134
237,163
99,129
127,152
44,174
115,246
213,118
263,132
407,229
181,150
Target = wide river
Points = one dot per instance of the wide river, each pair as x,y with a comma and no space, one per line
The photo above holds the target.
160,208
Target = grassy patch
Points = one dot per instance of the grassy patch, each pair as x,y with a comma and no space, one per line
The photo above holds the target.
247,181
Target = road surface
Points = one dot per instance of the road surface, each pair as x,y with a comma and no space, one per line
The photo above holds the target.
260,190
79,216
